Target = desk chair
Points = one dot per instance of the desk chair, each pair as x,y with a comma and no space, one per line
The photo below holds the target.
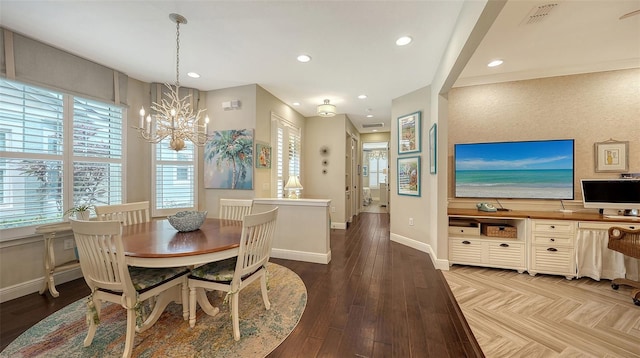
127,214
235,209
626,241
102,261
234,274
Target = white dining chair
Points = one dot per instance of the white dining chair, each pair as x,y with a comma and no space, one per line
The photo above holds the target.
234,274
127,214
235,209
103,266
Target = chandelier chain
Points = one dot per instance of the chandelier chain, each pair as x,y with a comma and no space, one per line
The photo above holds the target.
178,53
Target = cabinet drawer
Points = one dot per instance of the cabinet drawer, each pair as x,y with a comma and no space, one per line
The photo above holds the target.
464,230
553,259
466,251
550,239
556,226
507,254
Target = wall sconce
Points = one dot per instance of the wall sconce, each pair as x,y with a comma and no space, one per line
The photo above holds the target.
293,185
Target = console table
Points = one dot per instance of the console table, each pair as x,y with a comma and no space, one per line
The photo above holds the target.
568,244
49,233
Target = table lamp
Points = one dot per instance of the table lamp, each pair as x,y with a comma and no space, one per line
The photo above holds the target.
293,185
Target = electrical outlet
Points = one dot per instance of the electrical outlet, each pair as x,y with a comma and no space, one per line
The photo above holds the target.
410,221
333,209
69,244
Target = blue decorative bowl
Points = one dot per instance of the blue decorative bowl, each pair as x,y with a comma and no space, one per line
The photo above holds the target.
185,221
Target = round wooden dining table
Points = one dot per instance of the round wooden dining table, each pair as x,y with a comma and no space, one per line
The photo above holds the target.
158,244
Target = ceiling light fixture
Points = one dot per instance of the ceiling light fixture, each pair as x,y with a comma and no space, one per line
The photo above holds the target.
326,109
304,58
193,75
369,115
174,116
362,96
404,40
296,103
495,63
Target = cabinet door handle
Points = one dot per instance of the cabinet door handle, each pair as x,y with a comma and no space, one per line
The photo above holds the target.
632,227
553,226
466,242
504,245
552,240
552,249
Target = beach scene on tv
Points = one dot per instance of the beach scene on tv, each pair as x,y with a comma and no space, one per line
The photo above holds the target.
519,170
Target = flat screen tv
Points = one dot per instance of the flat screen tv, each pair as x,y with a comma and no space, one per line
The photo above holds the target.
542,169
611,193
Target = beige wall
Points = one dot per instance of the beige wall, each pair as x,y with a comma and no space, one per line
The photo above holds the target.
588,108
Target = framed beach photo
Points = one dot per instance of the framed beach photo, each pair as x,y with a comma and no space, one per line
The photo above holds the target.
611,156
409,130
433,145
409,176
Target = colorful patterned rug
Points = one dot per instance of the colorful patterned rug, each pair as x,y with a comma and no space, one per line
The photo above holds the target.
261,331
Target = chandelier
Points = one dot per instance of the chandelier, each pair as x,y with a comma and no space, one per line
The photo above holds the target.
326,109
376,154
173,117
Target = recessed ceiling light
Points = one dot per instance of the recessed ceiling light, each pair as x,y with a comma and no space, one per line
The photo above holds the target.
304,58
296,103
404,40
369,115
495,63
193,75
375,130
362,96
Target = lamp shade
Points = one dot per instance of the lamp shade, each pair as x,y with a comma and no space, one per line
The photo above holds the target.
326,109
293,183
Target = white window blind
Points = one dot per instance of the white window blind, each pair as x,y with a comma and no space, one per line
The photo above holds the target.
288,153
41,172
174,178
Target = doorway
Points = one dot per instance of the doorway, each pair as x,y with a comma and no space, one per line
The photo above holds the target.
375,177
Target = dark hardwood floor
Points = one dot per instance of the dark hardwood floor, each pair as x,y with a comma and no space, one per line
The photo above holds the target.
376,298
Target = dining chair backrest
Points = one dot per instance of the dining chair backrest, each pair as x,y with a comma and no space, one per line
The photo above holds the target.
101,254
235,209
255,243
127,214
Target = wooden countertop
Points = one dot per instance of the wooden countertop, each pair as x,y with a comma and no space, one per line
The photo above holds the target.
553,215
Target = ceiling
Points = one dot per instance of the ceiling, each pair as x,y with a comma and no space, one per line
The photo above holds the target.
352,44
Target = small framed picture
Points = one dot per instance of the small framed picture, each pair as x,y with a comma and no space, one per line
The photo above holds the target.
365,171
433,148
611,156
409,176
409,131
263,156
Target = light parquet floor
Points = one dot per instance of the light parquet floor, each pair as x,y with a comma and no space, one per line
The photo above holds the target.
518,315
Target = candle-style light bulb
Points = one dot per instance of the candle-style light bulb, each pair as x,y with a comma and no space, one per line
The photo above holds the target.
141,117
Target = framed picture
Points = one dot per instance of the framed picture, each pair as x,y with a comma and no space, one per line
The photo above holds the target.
263,152
409,133
409,176
433,148
228,160
611,156
365,171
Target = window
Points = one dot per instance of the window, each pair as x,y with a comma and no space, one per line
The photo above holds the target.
57,151
287,157
175,184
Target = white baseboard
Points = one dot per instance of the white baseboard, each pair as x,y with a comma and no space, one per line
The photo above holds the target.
25,288
301,256
424,247
342,226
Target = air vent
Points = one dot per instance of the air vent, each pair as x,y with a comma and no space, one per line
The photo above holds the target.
538,13
373,125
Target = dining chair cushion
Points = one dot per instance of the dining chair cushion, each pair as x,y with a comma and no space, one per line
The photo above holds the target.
144,279
219,271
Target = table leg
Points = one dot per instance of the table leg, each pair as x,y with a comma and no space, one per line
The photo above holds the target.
162,301
49,265
203,301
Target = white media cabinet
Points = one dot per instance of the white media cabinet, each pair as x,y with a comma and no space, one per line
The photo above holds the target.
546,242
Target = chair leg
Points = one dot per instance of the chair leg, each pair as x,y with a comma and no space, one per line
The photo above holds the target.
263,288
234,316
91,332
131,332
185,300
192,307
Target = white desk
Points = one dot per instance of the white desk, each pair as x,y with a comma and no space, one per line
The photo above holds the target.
49,233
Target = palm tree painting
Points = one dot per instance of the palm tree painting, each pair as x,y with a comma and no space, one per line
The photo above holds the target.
228,160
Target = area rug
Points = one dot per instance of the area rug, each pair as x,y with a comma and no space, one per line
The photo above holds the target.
261,331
